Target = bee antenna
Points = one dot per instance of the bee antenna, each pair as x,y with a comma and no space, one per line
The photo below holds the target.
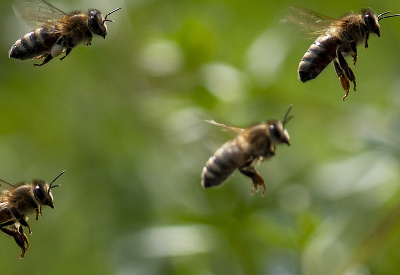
51,184
380,16
107,20
287,117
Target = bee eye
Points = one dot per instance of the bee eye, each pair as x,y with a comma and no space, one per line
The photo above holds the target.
369,21
274,132
93,24
39,193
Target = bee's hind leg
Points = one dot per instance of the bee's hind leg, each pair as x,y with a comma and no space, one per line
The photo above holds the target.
342,77
256,179
343,64
48,57
19,237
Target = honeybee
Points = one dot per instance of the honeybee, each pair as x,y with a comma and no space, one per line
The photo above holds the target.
18,201
338,39
251,146
58,32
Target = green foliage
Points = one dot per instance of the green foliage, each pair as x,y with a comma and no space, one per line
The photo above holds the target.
124,118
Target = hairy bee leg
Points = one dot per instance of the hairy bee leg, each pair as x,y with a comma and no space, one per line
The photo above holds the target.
256,179
38,212
341,67
342,77
21,220
21,231
19,238
47,59
366,40
343,64
353,46
66,53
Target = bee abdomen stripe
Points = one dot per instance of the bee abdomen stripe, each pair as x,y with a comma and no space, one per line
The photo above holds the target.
317,57
33,44
221,165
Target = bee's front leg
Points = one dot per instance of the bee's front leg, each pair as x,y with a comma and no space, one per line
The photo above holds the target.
256,179
38,212
366,40
89,42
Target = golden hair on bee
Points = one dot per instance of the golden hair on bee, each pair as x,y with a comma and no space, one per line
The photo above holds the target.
338,38
59,32
18,201
251,146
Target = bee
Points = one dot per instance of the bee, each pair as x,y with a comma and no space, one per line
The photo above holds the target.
18,201
338,38
58,32
251,146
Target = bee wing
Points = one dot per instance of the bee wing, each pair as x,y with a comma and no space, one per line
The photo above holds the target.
5,185
37,12
228,128
308,21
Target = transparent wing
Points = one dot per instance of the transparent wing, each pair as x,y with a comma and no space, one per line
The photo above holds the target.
308,21
228,128
4,185
37,12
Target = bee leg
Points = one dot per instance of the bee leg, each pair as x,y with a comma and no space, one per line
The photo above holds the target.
353,46
19,237
366,40
21,231
21,220
342,77
38,212
47,59
66,53
256,179
345,67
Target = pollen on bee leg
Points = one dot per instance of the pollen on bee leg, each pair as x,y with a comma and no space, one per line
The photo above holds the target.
56,50
345,84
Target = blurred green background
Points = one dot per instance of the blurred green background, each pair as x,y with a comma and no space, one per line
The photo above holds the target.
125,119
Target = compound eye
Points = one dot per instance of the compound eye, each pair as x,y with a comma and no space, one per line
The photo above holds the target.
94,24
369,21
274,132
39,194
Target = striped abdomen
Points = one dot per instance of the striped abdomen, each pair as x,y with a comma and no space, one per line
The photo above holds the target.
222,164
317,57
35,43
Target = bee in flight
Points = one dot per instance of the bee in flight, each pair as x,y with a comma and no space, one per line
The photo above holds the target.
251,146
338,39
18,201
58,31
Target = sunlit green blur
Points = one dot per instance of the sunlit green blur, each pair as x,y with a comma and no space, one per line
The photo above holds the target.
125,118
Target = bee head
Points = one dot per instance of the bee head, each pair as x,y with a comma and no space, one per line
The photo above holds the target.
277,129
278,132
42,191
96,22
371,21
